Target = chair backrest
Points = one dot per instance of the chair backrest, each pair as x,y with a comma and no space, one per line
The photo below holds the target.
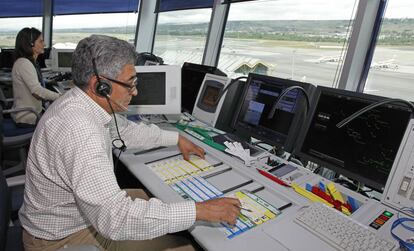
3,99
1,135
5,205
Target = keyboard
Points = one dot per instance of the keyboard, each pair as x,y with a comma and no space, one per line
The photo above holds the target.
340,231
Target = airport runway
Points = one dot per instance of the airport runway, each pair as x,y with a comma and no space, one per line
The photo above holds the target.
317,65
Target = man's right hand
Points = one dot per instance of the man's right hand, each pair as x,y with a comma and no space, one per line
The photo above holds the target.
218,210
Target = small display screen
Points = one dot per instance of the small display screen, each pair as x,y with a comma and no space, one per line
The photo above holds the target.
65,59
192,76
151,89
210,97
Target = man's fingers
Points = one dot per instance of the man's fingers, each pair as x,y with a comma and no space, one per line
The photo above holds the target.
199,151
186,155
234,201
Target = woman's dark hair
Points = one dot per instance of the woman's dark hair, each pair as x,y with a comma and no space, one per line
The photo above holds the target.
24,42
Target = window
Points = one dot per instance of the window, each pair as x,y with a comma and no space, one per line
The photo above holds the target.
181,35
9,27
303,40
392,68
68,30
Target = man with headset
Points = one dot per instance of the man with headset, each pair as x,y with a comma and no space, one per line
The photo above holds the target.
71,193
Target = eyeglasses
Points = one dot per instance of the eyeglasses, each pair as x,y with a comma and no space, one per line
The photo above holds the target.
131,87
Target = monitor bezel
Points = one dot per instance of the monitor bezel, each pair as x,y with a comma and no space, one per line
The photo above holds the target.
54,55
172,100
297,121
7,58
305,156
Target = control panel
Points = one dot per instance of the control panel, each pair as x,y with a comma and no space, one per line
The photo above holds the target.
399,191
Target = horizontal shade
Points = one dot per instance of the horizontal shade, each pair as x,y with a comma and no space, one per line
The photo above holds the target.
21,8
170,5
34,8
235,1
65,7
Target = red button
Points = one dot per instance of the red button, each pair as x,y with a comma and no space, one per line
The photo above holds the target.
383,217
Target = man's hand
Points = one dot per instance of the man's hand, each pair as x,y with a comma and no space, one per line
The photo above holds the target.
186,147
219,210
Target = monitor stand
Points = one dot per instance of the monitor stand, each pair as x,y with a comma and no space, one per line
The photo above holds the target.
172,118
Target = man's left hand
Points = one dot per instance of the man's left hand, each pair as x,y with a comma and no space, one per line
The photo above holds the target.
186,147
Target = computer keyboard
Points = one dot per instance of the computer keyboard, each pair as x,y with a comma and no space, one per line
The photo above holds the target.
65,84
340,231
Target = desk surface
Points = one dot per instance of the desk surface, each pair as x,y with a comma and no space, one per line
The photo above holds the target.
280,233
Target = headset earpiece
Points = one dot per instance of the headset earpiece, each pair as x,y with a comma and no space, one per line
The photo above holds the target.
103,88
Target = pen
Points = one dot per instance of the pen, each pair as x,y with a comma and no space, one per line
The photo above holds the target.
285,206
246,209
272,177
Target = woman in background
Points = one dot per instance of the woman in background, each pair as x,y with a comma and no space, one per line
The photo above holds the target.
28,87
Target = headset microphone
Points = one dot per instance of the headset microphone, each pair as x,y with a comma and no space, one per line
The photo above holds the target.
117,103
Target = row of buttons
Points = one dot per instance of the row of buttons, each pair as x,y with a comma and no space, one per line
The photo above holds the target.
380,220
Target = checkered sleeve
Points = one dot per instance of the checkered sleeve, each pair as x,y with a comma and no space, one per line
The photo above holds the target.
112,213
140,135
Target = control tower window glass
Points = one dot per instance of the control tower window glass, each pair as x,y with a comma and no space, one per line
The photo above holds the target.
9,27
68,30
392,68
181,36
303,40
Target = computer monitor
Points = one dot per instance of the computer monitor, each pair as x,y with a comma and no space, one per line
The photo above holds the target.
208,106
159,90
192,78
7,58
365,148
62,60
258,118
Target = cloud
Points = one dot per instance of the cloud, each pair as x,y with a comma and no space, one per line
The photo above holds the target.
185,16
251,10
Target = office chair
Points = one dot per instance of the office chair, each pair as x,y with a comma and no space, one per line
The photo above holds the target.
14,138
10,235
11,230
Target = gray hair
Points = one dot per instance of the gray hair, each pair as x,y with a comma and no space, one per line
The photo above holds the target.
109,53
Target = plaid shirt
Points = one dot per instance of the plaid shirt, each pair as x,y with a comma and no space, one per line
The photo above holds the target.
70,180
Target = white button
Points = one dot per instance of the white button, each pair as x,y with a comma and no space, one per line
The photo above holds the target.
404,186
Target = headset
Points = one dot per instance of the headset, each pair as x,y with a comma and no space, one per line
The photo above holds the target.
406,245
144,57
104,89
31,38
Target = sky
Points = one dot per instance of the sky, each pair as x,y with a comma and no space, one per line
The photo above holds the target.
253,10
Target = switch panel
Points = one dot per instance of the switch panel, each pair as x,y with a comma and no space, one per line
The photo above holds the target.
399,190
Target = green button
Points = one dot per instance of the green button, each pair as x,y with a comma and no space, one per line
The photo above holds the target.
388,214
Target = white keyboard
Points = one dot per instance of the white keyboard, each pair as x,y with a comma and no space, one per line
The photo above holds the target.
340,231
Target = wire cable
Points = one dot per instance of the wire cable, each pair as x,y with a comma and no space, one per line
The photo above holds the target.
227,87
373,106
283,94
123,147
